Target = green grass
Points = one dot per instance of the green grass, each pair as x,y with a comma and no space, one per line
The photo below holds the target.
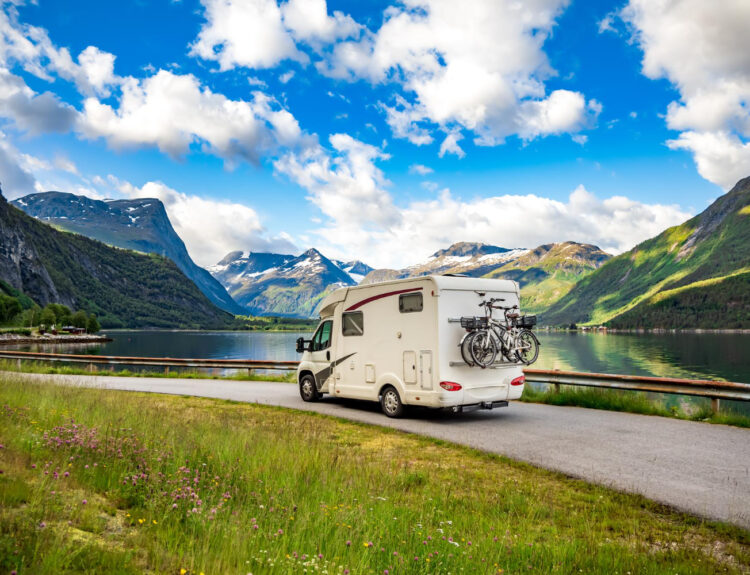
631,402
171,485
172,373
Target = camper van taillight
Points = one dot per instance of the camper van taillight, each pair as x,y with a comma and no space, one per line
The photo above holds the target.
450,386
519,380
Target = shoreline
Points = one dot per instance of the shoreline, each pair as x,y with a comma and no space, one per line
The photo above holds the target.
656,330
13,339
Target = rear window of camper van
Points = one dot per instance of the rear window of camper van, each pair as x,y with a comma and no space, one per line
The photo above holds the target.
352,323
410,302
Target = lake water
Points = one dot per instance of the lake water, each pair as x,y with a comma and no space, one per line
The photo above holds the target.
706,356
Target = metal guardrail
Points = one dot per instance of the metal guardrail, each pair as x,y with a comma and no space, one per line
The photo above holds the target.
149,361
715,390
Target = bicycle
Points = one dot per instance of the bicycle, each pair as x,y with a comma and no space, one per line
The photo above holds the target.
487,336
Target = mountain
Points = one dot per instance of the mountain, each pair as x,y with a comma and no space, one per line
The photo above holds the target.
473,259
140,224
124,288
695,275
550,271
276,284
355,269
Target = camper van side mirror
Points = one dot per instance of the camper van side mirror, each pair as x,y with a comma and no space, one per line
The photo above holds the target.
300,344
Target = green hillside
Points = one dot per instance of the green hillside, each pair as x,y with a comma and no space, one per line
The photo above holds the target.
123,288
549,272
691,275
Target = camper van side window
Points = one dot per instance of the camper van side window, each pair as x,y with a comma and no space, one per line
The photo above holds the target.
322,338
410,302
352,323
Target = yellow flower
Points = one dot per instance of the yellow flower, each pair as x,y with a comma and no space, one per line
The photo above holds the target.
140,521
154,520
183,571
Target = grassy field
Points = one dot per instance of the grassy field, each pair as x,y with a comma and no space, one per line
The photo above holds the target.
100,481
633,402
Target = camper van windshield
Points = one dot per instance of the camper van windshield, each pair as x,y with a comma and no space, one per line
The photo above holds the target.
322,337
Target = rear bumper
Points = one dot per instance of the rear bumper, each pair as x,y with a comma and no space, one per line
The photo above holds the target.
476,406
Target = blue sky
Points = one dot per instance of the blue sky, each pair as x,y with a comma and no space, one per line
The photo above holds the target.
380,130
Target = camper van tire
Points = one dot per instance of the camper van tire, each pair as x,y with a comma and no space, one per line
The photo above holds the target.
390,402
307,388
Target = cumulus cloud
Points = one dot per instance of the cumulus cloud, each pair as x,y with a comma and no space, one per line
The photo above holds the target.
16,171
172,111
345,184
476,65
703,48
420,169
362,220
32,112
31,47
615,224
210,228
261,33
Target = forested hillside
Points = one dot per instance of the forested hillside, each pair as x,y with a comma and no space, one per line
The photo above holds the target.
123,288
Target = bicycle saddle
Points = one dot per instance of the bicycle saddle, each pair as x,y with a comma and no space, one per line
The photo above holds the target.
513,315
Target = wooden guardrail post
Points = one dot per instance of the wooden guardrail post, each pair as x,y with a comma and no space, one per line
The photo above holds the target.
715,405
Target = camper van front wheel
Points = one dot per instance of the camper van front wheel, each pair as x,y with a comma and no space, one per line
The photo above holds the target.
390,402
307,388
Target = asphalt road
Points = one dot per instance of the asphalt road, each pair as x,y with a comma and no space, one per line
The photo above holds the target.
700,468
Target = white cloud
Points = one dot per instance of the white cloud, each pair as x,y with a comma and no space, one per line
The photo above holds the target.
210,228
363,221
286,76
450,144
262,33
32,112
66,165
246,33
420,169
16,169
721,157
173,111
346,185
308,20
703,48
478,65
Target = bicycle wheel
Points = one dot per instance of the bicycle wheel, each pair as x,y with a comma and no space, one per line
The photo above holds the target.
527,347
465,346
500,332
483,348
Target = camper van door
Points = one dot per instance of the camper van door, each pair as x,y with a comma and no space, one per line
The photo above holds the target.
320,352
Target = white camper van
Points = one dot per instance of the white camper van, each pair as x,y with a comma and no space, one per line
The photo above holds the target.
397,342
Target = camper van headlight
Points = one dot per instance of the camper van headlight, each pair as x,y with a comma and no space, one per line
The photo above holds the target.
450,385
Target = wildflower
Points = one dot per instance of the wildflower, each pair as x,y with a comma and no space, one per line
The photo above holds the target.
84,502
348,543
141,521
183,571
154,521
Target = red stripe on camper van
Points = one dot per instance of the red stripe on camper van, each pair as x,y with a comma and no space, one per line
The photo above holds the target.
382,295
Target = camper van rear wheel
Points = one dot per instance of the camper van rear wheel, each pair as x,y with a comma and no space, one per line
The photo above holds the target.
307,389
390,402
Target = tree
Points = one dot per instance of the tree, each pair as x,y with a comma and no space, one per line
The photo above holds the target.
48,318
93,324
79,319
9,308
62,313
31,316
